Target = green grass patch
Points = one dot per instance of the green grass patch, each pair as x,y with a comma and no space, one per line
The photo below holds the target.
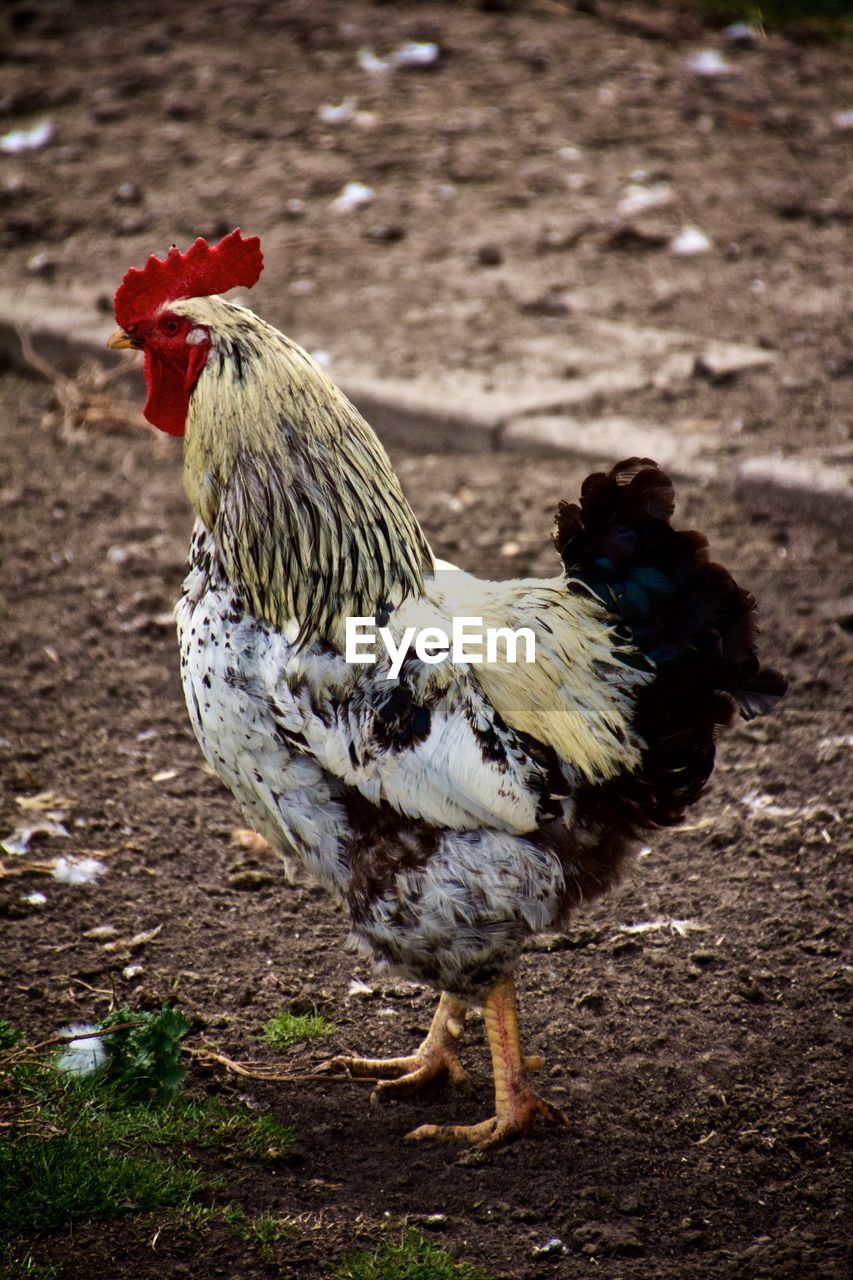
119,1139
212,1125
287,1029
71,1150
263,1231
17,1266
9,1035
413,1258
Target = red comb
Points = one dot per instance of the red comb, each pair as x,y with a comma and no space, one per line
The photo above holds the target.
194,274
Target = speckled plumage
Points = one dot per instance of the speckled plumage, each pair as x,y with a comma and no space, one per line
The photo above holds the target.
455,810
449,835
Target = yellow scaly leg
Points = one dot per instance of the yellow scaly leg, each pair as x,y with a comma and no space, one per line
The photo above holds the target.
516,1105
436,1057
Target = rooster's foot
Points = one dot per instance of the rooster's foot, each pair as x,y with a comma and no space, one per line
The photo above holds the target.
435,1058
516,1105
513,1120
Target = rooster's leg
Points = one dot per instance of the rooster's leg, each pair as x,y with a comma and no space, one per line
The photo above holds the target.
436,1057
516,1104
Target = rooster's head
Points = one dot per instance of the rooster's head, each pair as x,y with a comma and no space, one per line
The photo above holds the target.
175,347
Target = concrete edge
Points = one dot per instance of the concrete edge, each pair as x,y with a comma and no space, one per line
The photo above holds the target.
799,487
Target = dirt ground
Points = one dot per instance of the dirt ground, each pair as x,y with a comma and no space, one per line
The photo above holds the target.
702,1068
703,1073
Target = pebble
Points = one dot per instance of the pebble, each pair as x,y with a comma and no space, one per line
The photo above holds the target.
43,265
386,234
591,1000
132,225
525,1215
128,193
107,111
709,65
433,1221
619,1241
689,242
179,108
250,880
489,255
355,195
552,1248
294,208
741,34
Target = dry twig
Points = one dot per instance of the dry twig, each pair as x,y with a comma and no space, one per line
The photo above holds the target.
257,1070
84,399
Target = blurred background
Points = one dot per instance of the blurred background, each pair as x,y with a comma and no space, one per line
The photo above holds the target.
521,189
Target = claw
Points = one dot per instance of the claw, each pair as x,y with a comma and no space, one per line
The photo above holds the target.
516,1105
513,1121
433,1060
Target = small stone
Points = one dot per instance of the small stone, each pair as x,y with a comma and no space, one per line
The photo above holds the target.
647,234
546,304
42,265
552,1248
709,65
704,958
102,932
133,225
250,880
591,1000
548,942
433,1221
618,1241
179,108
128,193
108,112
742,35
721,362
15,187
386,234
689,242
489,255
525,1215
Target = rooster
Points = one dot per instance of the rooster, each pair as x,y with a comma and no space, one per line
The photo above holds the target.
458,807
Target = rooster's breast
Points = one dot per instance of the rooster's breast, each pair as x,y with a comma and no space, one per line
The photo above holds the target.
248,724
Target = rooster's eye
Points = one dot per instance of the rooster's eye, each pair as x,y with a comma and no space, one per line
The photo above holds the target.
171,327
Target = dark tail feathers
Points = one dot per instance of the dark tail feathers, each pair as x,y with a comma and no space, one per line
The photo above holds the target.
683,613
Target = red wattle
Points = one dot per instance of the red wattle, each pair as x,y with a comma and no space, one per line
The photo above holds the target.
169,389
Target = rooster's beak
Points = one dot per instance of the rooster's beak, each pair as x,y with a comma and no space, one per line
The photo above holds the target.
120,340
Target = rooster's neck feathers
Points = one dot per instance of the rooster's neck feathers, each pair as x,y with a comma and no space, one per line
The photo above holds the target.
294,485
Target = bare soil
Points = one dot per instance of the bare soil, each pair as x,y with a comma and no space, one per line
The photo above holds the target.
703,1073
702,1069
